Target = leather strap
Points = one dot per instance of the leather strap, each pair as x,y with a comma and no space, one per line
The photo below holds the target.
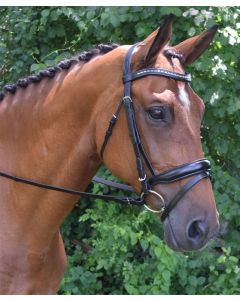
124,200
181,193
127,70
132,126
156,72
133,132
110,128
181,172
113,184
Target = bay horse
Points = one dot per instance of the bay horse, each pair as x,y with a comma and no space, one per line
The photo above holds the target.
53,129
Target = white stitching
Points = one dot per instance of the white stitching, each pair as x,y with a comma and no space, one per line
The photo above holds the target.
154,71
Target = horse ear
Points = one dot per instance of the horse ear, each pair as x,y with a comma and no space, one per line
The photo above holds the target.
156,41
192,48
162,37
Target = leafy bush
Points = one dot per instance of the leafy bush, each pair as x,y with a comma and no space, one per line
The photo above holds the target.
120,250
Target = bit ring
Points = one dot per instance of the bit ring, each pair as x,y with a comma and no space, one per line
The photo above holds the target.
159,197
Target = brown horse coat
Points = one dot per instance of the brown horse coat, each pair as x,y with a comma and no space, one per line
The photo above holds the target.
52,131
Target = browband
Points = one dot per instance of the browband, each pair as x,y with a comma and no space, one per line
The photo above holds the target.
156,72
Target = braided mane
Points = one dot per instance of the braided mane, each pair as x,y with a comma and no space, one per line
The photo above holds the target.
50,72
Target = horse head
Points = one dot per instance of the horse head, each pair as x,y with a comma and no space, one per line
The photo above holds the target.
167,115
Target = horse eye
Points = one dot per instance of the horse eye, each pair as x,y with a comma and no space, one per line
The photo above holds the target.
157,113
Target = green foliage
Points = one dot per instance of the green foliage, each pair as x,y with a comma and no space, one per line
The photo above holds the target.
124,254
120,250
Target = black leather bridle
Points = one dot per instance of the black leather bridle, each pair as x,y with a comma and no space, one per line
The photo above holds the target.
197,169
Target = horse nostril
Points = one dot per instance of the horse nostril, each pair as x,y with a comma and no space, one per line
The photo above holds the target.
197,231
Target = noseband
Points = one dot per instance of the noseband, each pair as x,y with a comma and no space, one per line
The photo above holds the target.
197,169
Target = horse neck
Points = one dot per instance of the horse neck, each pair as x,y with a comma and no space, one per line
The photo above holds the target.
51,139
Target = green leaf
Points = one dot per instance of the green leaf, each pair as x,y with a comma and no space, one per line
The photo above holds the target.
131,289
166,275
114,20
45,13
201,280
144,244
37,67
193,280
157,252
133,237
156,240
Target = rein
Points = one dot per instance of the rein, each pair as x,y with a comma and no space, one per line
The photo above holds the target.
199,169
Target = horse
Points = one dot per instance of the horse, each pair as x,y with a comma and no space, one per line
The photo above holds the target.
53,129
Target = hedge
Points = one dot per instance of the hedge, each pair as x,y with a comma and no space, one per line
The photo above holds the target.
120,250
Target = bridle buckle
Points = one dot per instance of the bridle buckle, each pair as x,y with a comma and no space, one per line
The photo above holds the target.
142,179
125,98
